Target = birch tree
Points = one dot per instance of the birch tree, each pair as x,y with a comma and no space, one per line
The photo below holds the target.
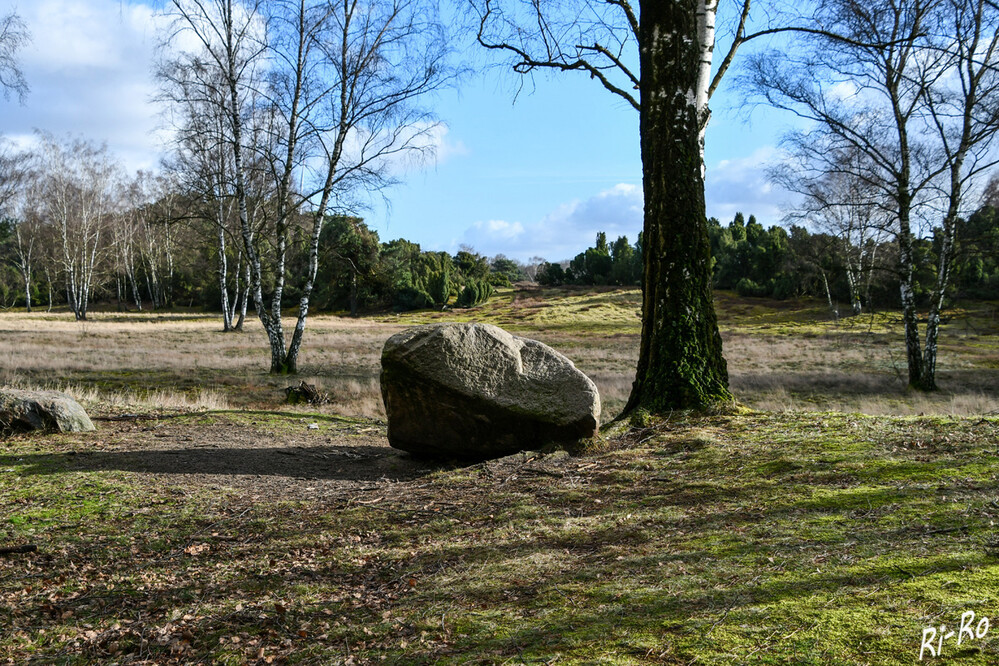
13,172
350,104
18,187
843,203
203,160
77,198
27,244
911,87
657,57
963,110
156,252
15,179
14,36
344,79
158,219
137,245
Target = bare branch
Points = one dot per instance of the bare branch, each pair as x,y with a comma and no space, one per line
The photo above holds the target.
14,36
551,45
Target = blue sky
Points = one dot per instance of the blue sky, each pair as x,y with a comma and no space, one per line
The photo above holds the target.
535,177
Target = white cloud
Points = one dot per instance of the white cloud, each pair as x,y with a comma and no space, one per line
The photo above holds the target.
567,230
89,66
71,35
617,211
843,90
741,185
446,149
499,230
433,147
732,186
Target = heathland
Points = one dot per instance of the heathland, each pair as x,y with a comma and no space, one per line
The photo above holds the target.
831,517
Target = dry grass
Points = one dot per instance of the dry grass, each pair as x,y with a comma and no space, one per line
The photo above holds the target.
857,365
782,355
157,400
186,361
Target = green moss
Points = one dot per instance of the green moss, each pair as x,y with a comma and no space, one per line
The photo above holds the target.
819,538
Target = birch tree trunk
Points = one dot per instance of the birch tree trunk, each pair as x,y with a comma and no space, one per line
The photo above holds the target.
223,271
853,282
244,298
27,291
48,282
166,288
25,250
680,361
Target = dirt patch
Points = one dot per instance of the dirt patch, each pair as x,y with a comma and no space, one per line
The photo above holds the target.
274,458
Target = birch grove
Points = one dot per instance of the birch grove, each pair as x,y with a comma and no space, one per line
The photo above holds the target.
339,105
920,119
77,197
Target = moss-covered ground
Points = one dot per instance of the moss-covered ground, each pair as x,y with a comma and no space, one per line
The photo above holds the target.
243,535
820,538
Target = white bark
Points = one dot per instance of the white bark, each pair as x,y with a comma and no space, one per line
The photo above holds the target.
25,244
706,15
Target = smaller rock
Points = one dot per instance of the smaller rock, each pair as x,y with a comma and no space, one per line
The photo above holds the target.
24,411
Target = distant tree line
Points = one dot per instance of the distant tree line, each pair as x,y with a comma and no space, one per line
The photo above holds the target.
75,229
619,263
360,272
850,265
861,270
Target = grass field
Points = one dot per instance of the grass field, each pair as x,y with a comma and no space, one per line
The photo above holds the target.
781,355
227,529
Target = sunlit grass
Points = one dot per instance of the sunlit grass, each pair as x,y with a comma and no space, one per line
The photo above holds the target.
803,538
782,355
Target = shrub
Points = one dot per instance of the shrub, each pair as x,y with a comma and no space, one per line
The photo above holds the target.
412,298
499,280
551,275
746,287
474,293
439,287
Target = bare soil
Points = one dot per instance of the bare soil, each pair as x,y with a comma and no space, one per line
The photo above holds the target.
260,457
276,457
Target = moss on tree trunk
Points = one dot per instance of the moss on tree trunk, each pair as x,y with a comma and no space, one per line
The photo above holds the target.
680,362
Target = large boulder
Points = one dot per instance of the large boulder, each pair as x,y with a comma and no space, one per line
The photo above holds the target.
22,411
476,391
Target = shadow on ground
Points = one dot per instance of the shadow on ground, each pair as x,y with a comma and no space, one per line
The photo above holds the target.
332,463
